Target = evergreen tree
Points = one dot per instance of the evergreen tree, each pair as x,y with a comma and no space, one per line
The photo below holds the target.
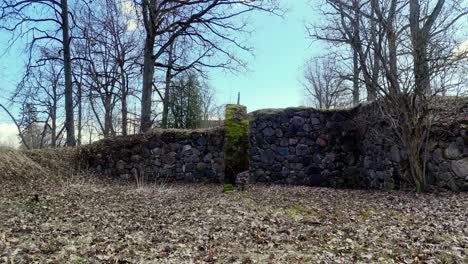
186,102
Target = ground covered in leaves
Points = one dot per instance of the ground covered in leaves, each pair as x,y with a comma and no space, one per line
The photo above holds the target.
90,222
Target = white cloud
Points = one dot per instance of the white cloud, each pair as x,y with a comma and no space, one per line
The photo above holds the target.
462,49
132,25
129,11
128,7
9,135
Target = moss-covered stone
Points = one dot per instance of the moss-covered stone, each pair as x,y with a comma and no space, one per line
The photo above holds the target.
236,142
228,188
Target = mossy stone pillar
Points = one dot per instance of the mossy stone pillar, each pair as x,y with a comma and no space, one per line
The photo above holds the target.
236,143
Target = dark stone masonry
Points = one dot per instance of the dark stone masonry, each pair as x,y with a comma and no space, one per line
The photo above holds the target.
305,146
350,148
171,155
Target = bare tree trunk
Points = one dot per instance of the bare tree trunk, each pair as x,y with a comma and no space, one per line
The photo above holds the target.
44,132
355,78
356,25
167,90
412,145
23,139
417,170
357,46
372,90
392,49
108,116
147,90
54,119
93,108
420,38
69,115
80,113
421,67
124,102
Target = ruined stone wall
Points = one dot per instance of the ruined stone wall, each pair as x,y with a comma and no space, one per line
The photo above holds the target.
353,148
170,155
340,148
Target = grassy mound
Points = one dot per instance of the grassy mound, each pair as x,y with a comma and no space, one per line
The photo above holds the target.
60,161
16,166
35,168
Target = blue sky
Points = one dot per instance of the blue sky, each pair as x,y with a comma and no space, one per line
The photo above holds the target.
11,70
280,48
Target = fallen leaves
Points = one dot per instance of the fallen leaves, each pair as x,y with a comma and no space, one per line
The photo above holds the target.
114,223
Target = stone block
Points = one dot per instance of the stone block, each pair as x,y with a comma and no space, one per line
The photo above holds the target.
452,152
460,168
302,150
314,121
268,156
321,142
186,148
283,151
293,141
268,132
395,154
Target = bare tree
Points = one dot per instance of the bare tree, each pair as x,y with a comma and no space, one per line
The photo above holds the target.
123,30
410,107
324,83
411,58
78,77
347,23
167,84
45,89
45,21
208,104
342,28
204,20
109,59
42,89
102,73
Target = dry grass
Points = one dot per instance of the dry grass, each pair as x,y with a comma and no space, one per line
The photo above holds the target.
86,219
17,167
36,169
60,161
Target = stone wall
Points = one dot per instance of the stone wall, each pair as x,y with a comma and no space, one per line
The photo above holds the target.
448,156
383,163
171,155
304,146
353,148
